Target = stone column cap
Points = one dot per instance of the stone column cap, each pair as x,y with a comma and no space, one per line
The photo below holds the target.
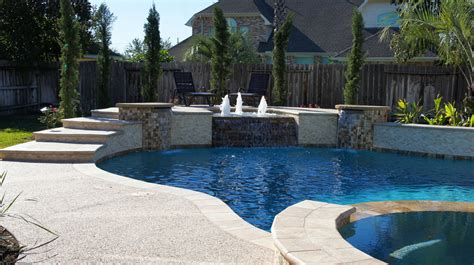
361,107
155,105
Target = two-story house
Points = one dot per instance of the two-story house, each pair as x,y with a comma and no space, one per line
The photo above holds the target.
321,30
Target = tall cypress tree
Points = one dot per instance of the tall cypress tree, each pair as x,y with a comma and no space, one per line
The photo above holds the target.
152,56
281,39
70,53
356,60
220,59
103,20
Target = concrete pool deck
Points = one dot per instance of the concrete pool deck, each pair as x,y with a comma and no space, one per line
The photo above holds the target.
110,222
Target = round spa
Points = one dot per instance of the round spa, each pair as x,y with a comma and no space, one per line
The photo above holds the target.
259,183
415,238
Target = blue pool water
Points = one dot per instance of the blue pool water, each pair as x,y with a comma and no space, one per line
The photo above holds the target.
418,238
258,183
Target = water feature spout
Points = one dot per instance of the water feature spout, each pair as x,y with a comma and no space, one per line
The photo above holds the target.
225,106
262,107
238,106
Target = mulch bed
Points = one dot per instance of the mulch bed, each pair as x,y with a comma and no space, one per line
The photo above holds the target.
9,247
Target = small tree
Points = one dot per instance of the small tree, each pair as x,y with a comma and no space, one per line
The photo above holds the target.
220,59
136,50
356,60
103,20
152,45
281,39
70,53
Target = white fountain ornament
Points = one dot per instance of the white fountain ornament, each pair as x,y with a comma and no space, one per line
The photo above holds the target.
225,106
238,106
262,107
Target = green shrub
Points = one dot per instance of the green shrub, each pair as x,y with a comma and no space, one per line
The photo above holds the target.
51,117
436,116
446,115
408,112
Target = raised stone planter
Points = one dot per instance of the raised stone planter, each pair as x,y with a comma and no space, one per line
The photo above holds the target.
426,140
356,124
156,122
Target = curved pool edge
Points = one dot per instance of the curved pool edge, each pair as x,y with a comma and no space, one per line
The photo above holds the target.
307,232
214,209
369,209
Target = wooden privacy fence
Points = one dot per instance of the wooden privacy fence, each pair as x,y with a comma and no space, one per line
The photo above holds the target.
381,84
25,87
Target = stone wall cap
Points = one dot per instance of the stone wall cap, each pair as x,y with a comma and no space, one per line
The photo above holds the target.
191,110
156,105
361,107
426,126
302,111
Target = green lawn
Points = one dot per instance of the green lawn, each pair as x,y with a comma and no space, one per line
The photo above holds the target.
17,129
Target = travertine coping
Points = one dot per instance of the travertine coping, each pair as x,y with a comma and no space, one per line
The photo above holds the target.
146,105
306,233
426,126
213,208
362,107
190,110
369,209
278,110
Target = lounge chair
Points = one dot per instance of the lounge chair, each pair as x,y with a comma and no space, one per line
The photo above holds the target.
257,87
185,89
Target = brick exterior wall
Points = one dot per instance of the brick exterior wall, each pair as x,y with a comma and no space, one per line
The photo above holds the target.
258,31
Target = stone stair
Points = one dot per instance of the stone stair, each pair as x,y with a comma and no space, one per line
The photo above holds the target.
67,135
109,113
80,140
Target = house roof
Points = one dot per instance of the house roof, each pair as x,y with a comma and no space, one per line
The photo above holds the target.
179,50
319,26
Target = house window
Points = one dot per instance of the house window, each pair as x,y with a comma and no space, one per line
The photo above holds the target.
304,60
388,19
245,30
211,32
232,24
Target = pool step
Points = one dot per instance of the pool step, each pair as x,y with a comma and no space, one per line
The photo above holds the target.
51,152
94,123
67,135
109,113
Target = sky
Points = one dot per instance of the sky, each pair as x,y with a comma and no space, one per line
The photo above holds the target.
131,15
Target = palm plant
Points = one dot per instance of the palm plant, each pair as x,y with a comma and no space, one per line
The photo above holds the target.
201,50
240,49
447,29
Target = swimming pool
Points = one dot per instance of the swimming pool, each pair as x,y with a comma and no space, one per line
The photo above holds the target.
258,183
421,238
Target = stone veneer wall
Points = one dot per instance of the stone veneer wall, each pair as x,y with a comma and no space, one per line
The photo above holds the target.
434,141
356,124
191,127
317,129
156,122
